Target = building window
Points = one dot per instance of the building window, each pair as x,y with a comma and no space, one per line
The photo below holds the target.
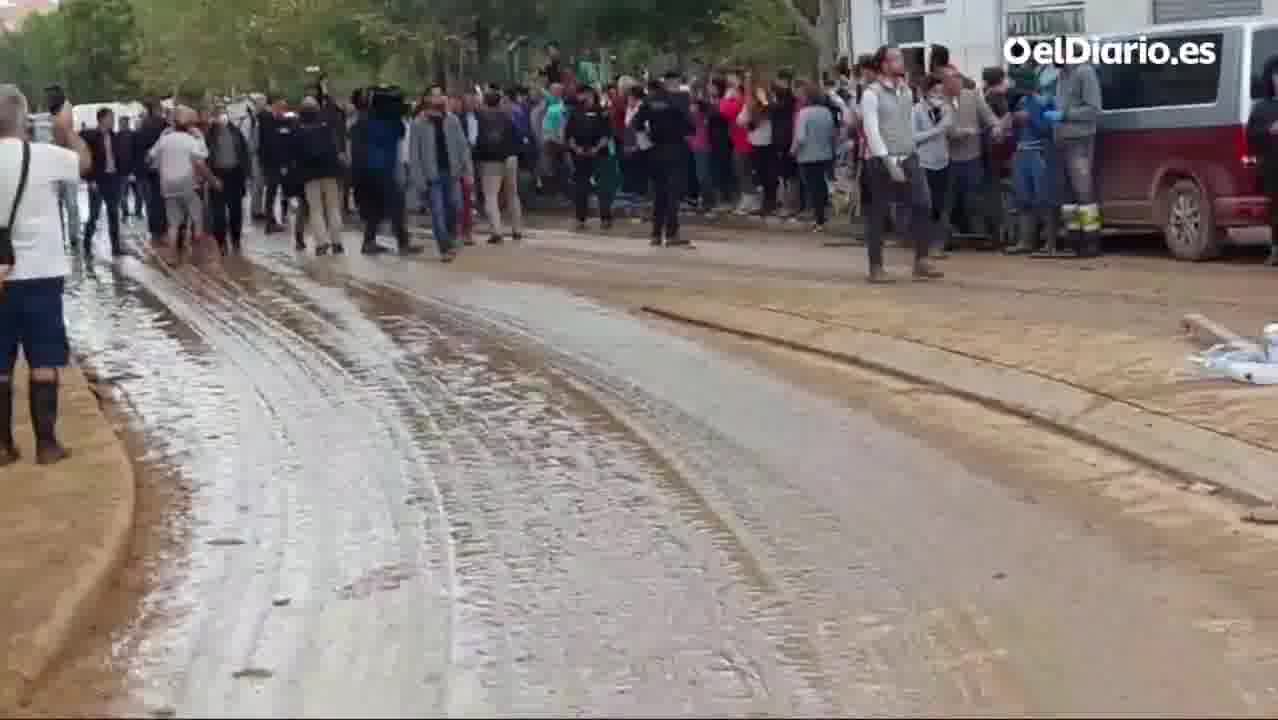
1039,23
898,4
933,2
905,31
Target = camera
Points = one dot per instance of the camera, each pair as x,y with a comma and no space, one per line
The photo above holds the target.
386,101
55,98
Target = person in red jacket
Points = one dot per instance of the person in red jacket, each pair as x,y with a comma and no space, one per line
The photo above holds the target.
730,108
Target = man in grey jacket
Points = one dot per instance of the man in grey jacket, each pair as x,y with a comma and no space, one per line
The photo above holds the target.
439,157
1078,110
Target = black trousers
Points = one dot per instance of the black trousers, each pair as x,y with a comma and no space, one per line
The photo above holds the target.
106,190
765,161
913,194
381,198
669,173
584,169
274,179
816,188
226,206
156,219
131,186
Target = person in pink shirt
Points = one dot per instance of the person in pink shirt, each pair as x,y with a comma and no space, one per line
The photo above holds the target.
730,107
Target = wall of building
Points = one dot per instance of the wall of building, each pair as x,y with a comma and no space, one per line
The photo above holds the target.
967,27
974,29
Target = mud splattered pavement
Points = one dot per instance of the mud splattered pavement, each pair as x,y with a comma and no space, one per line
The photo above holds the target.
410,491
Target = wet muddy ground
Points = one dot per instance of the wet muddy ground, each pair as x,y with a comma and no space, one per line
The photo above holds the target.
389,488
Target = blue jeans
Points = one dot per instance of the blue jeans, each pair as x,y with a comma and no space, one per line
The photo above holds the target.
1032,180
443,211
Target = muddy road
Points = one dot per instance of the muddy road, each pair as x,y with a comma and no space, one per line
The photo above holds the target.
412,491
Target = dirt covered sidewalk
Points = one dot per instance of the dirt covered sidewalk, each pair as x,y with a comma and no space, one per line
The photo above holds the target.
64,530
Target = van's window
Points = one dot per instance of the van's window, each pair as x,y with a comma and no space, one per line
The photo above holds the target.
1128,87
1264,45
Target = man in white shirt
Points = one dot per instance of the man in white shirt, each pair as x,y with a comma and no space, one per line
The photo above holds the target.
33,267
180,156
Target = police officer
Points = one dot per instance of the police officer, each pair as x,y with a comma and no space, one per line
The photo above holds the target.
664,117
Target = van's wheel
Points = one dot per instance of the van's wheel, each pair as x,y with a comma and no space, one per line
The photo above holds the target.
1188,227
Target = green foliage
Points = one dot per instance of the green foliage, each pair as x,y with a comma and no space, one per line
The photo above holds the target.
116,49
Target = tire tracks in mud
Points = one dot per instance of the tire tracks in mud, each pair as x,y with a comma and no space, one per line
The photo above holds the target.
733,485
580,503
327,536
523,640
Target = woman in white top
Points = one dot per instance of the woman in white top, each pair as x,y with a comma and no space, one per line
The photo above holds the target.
33,267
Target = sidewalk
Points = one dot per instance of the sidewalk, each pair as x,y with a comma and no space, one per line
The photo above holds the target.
1091,365
63,532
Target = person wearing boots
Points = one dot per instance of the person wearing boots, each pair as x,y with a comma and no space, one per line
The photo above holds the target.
1032,182
1262,141
1078,109
895,174
33,267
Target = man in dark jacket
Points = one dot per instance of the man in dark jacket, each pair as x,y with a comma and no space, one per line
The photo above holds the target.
126,137
153,126
588,133
105,181
317,167
781,114
497,154
334,116
231,161
274,141
375,141
668,126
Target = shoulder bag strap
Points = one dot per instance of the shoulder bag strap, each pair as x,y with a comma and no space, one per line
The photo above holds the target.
22,184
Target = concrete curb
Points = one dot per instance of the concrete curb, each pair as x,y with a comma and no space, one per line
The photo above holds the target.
1242,471
31,654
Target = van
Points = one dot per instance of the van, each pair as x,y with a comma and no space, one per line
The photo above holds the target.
1172,145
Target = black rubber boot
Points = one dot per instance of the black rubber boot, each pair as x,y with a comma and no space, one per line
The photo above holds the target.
44,419
1091,245
1026,234
8,448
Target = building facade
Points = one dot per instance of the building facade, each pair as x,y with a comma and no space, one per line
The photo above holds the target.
974,30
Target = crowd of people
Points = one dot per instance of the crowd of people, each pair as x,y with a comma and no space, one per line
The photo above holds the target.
921,154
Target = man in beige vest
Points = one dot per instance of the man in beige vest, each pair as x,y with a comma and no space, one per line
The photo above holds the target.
887,108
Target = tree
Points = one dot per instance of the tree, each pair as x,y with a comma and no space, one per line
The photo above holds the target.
760,33
33,59
819,21
100,48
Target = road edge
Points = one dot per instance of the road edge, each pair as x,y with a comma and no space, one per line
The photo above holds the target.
1175,448
75,604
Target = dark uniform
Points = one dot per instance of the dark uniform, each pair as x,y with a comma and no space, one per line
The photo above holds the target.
666,121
